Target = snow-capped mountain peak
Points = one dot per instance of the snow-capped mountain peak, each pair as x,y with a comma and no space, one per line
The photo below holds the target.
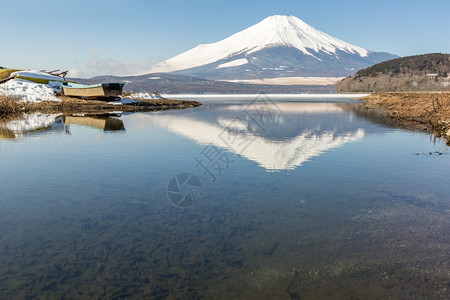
241,49
290,31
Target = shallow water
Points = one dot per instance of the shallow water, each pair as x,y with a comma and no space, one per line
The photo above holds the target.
283,200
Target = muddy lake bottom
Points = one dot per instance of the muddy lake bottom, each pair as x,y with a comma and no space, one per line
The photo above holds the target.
230,200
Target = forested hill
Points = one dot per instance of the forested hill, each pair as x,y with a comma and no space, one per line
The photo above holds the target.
428,72
412,65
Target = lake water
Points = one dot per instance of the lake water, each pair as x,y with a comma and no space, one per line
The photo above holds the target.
232,200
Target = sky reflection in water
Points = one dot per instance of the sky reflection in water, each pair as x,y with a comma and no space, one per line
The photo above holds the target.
298,199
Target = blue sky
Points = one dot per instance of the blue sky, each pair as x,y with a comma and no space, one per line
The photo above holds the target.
123,37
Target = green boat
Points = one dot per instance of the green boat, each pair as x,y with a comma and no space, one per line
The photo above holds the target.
101,90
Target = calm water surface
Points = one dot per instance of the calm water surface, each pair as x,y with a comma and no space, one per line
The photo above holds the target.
233,200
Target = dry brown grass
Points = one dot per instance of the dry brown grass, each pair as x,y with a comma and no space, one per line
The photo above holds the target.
11,106
5,73
427,110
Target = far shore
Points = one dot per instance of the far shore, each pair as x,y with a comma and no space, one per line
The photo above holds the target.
290,80
267,96
424,111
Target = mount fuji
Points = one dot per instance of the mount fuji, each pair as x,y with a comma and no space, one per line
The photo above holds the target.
278,46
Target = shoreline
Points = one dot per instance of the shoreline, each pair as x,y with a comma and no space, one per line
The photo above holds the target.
424,111
10,106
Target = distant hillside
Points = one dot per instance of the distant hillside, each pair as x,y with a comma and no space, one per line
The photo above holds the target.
411,65
179,84
428,72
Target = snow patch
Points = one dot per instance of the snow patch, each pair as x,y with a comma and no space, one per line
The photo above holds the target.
28,91
145,96
123,101
233,63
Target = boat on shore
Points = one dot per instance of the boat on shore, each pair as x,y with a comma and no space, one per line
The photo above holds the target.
37,77
100,90
59,84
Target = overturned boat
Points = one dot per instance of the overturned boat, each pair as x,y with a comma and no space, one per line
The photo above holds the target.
37,76
101,90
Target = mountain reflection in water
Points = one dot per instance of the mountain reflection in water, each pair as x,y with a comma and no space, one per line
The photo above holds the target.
289,135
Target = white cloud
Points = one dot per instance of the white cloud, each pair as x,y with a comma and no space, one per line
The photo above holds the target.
95,52
107,67
114,67
74,72
139,67
97,67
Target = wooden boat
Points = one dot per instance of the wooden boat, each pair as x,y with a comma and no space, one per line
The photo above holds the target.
101,90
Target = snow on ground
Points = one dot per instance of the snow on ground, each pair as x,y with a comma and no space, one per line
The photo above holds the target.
28,91
233,63
145,96
123,101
